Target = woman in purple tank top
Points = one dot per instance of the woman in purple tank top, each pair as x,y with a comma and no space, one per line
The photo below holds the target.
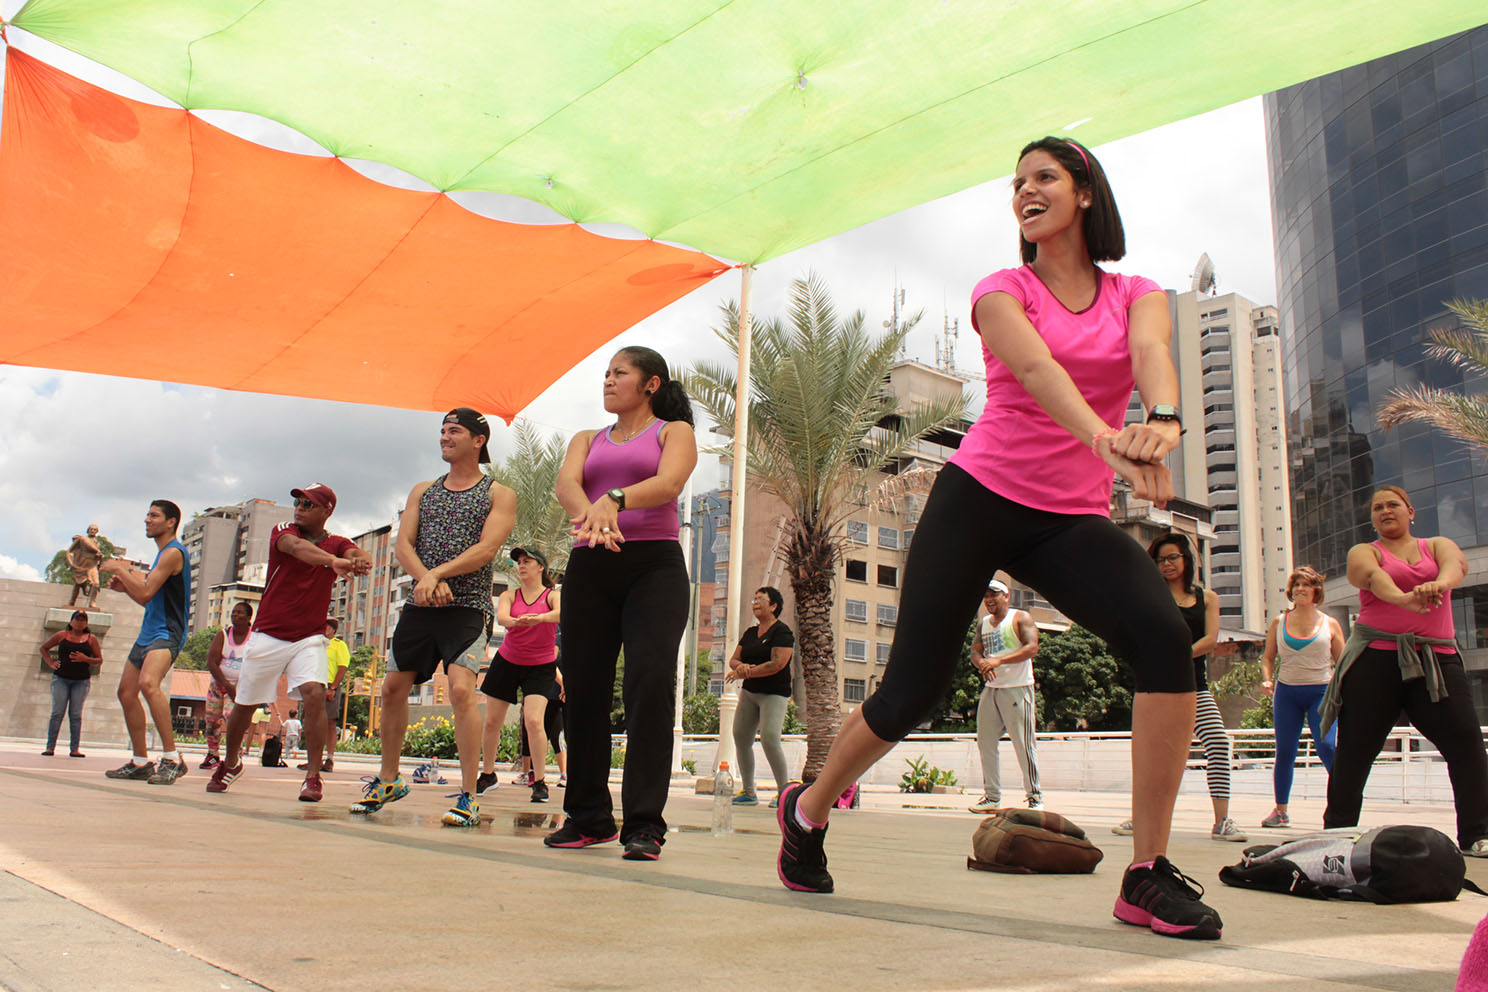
626,586
1401,655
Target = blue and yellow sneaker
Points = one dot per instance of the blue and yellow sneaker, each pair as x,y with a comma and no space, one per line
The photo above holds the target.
378,794
464,813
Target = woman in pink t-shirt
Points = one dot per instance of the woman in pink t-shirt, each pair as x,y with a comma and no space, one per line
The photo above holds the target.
1405,588
1029,492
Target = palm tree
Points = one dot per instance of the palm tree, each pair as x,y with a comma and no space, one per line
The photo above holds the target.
531,471
1463,416
821,428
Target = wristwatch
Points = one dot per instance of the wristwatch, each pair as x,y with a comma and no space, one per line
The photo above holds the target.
618,495
1164,411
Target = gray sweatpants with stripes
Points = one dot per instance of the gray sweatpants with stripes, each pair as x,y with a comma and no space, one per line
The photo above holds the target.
1009,711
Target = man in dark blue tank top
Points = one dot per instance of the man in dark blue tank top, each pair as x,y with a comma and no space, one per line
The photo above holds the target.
163,592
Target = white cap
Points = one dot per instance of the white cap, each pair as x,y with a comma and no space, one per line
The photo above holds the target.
997,586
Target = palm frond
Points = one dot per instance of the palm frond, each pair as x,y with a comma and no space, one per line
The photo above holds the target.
1463,417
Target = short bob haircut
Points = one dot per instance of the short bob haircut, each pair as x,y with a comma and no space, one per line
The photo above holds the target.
1105,238
1308,576
1181,542
777,601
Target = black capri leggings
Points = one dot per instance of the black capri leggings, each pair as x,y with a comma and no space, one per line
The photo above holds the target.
1083,564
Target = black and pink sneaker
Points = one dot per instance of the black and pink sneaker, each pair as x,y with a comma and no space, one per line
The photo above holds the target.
802,862
1159,896
570,836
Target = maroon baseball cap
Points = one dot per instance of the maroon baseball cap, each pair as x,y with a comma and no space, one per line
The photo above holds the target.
320,494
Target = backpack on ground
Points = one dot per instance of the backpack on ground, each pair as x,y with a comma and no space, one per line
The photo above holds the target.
1382,865
272,754
1032,841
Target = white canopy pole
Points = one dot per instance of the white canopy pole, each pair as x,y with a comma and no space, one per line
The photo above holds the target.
730,701
688,523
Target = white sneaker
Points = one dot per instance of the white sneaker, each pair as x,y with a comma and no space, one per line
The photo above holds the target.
1124,828
1035,802
985,805
1227,830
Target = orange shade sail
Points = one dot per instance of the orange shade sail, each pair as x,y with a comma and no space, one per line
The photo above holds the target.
141,241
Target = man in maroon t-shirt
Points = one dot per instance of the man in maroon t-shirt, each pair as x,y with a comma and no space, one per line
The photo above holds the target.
289,633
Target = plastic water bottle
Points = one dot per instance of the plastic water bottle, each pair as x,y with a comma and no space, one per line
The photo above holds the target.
723,801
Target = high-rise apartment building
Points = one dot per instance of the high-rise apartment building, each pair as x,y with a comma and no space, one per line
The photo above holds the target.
223,544
1379,191
1233,453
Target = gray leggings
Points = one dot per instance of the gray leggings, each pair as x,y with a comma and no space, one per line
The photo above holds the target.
764,712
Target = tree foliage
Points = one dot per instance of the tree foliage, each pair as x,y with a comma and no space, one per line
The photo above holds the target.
193,656
531,471
822,426
1080,686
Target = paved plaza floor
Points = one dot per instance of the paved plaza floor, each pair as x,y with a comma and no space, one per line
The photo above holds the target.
124,885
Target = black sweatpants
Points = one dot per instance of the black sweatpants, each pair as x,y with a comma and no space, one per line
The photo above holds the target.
1083,564
1373,696
635,598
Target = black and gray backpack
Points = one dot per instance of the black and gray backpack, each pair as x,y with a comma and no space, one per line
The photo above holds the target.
1381,865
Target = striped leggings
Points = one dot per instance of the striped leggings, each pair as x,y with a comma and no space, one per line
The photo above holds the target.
1209,729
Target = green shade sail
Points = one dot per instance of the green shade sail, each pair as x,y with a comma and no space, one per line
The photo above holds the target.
744,129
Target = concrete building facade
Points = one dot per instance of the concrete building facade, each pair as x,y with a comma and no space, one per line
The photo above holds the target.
224,543
1233,454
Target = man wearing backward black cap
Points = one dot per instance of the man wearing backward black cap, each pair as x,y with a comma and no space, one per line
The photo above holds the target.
448,534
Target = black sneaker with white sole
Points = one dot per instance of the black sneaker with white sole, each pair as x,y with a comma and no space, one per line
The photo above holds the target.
802,862
540,791
484,782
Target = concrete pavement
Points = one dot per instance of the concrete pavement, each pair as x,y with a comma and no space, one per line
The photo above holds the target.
125,885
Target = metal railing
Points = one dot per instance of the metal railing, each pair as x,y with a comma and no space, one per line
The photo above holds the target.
1409,768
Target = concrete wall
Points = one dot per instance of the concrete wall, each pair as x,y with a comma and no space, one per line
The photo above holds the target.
25,683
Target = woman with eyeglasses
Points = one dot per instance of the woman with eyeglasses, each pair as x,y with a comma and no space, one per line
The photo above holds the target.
762,660
1307,642
1200,608
78,653
1402,656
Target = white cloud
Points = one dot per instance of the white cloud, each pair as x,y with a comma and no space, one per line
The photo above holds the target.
12,569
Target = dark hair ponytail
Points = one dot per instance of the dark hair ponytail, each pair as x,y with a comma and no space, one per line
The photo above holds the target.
670,401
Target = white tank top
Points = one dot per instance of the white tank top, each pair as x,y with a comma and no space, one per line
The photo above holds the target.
1304,661
232,655
999,638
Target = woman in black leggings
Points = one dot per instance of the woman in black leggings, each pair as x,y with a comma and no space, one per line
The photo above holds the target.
1402,656
626,586
1029,492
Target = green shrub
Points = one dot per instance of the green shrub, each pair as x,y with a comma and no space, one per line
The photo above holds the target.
617,757
700,714
923,776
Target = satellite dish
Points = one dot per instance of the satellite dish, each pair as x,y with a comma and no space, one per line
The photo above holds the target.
1203,275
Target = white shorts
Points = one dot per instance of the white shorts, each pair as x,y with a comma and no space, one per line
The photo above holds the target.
266,658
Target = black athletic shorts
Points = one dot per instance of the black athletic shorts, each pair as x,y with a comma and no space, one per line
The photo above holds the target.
504,679
427,635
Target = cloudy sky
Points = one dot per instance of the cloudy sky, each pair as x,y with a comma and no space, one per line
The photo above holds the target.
78,449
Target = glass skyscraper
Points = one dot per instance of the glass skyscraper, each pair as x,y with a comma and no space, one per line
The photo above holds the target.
1379,192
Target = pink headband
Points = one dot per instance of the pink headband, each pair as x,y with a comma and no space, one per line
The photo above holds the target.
1082,154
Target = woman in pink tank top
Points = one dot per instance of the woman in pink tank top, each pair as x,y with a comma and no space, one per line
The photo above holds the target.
626,586
1028,492
527,660
1401,657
